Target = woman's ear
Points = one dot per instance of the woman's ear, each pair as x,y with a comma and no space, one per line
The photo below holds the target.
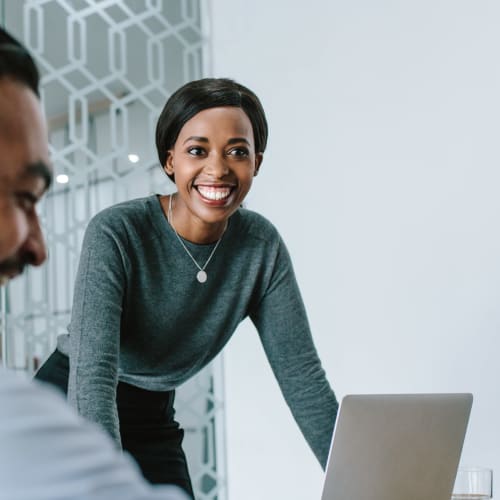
169,163
258,162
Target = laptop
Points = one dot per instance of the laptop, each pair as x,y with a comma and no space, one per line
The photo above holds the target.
396,447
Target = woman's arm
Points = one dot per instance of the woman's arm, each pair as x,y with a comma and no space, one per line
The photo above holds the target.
281,321
95,323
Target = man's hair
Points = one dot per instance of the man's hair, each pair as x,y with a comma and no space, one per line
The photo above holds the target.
16,63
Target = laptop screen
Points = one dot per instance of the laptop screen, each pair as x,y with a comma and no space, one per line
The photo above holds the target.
396,446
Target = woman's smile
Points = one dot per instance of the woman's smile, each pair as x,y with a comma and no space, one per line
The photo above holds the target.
214,192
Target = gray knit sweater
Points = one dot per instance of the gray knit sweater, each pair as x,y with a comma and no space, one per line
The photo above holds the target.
141,317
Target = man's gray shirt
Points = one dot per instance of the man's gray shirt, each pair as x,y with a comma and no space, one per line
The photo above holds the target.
48,452
140,315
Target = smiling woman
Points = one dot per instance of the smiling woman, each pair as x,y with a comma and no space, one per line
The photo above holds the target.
164,281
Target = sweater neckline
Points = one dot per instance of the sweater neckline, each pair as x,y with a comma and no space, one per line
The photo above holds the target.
163,227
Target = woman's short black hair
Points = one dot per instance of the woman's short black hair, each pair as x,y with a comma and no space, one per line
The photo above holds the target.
16,63
206,93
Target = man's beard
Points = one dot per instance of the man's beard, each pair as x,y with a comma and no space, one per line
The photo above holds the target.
11,267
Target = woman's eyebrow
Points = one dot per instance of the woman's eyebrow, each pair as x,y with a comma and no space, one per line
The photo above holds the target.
196,138
234,140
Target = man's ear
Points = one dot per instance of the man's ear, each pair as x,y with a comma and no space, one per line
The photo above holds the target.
169,163
258,162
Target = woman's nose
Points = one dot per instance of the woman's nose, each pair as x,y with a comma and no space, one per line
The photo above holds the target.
217,167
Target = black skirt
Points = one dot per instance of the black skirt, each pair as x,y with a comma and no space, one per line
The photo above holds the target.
148,429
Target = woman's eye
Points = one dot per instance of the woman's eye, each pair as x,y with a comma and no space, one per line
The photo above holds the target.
195,151
239,152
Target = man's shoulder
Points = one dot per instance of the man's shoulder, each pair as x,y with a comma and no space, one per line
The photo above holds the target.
21,396
48,451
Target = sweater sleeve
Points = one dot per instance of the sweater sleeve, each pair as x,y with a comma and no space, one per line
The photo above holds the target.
95,326
283,327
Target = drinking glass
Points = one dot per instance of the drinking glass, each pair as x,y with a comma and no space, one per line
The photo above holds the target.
473,483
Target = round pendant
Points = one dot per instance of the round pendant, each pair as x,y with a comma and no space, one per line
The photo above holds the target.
201,276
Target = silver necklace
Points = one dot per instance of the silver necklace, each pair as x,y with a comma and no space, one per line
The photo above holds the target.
201,275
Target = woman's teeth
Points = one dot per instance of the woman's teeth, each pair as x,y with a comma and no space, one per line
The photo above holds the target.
213,193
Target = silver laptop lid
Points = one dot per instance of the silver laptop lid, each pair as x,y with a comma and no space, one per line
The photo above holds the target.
396,447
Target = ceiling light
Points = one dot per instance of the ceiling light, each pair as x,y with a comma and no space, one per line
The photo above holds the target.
133,158
62,179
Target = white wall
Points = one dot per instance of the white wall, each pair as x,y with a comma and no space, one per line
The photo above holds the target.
382,175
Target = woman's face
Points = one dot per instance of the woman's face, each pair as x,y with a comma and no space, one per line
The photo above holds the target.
214,163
